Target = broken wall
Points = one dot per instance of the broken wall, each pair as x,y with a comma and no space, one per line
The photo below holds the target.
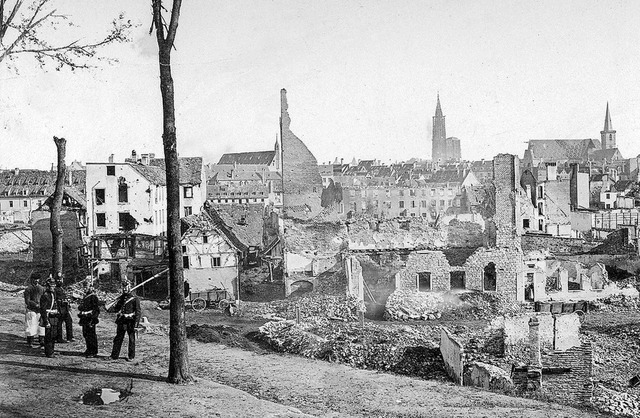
508,268
453,355
302,183
555,245
555,332
433,262
71,242
567,376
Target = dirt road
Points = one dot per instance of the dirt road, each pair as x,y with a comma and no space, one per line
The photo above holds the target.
232,382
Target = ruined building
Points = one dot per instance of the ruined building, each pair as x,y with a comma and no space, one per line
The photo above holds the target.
302,184
443,148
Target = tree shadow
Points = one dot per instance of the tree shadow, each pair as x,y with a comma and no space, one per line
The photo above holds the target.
14,344
78,370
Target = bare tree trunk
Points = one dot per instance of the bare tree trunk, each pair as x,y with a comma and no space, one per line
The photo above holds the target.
56,207
178,352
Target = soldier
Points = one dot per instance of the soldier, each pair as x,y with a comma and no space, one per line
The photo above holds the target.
64,311
32,296
88,312
127,320
49,316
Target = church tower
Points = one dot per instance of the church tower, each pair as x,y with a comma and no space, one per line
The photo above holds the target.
438,142
608,135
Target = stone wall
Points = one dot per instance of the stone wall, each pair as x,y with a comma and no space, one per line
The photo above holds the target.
302,183
555,245
508,263
433,262
567,375
453,355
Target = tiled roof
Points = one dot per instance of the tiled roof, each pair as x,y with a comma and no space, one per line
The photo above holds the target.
249,232
190,168
155,175
561,149
259,157
605,154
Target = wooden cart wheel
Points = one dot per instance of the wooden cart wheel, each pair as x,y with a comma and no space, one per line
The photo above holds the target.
198,304
223,304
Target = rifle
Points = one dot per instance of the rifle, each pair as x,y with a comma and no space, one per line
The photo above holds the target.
110,304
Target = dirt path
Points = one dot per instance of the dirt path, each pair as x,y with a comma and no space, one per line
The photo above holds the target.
254,383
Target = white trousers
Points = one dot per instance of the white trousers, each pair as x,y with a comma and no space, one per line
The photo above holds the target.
32,324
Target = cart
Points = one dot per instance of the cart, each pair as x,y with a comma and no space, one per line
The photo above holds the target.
214,298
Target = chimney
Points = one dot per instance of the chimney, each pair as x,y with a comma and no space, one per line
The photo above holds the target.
152,156
534,343
144,159
16,171
70,177
134,156
111,158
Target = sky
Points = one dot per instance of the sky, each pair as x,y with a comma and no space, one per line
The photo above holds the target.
362,79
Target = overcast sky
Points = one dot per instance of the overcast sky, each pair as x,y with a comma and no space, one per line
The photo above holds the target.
362,79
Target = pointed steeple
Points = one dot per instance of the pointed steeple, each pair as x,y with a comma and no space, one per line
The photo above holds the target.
438,108
608,134
607,120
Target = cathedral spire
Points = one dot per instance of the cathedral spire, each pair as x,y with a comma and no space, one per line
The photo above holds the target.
607,120
438,108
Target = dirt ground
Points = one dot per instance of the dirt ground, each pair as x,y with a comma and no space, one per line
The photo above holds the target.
241,379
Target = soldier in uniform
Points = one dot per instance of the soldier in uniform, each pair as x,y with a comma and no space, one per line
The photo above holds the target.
32,295
49,316
127,308
64,310
88,311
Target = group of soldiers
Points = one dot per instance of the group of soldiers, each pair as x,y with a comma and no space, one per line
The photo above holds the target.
48,313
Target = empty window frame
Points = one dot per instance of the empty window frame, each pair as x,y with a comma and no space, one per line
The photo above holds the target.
424,281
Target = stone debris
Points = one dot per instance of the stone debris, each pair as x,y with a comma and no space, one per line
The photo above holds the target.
309,307
402,350
618,404
405,305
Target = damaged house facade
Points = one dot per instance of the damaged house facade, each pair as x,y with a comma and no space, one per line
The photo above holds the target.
211,255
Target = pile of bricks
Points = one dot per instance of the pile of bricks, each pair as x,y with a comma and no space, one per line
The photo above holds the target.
619,404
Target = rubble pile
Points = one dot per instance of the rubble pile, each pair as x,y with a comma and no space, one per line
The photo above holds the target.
402,350
619,404
411,305
313,306
223,334
403,305
615,303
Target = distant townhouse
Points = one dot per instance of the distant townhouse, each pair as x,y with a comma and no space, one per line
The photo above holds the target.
23,191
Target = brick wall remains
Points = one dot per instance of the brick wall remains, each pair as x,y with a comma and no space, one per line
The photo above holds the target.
302,183
453,355
567,375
